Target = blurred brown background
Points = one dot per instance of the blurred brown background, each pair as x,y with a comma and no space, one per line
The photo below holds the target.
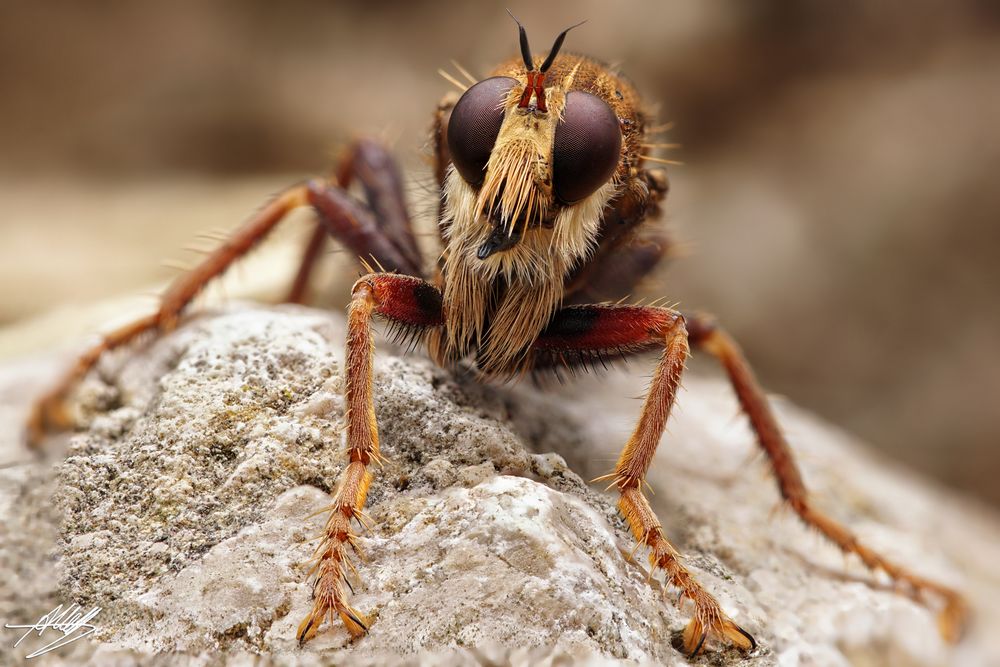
838,196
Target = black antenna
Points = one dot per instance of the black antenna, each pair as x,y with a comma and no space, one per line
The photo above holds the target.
555,47
525,49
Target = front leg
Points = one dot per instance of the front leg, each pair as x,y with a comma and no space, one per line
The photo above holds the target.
405,301
586,333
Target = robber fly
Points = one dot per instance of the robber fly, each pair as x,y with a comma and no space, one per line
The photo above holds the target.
545,177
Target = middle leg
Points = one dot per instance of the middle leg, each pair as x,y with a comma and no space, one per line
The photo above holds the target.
582,333
381,231
706,335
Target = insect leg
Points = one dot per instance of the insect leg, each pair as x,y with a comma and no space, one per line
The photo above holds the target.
49,411
594,329
357,227
618,276
386,233
406,301
706,335
310,255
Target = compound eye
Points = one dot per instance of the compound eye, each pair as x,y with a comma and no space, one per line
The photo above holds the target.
474,126
586,149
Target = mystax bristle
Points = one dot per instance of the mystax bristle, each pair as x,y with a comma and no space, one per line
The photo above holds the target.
509,189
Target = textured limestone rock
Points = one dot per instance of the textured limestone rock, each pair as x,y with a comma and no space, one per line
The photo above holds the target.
184,510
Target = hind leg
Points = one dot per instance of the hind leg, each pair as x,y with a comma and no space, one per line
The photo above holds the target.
350,222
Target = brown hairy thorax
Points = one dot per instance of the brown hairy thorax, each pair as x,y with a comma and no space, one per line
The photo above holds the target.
495,307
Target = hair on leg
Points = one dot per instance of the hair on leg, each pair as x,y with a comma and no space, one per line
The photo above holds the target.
588,332
407,302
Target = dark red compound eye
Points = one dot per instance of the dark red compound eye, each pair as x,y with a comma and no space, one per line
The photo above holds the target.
474,126
587,147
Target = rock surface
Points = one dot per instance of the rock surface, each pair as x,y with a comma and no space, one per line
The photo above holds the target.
182,511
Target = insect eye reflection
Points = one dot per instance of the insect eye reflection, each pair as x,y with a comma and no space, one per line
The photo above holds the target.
474,126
